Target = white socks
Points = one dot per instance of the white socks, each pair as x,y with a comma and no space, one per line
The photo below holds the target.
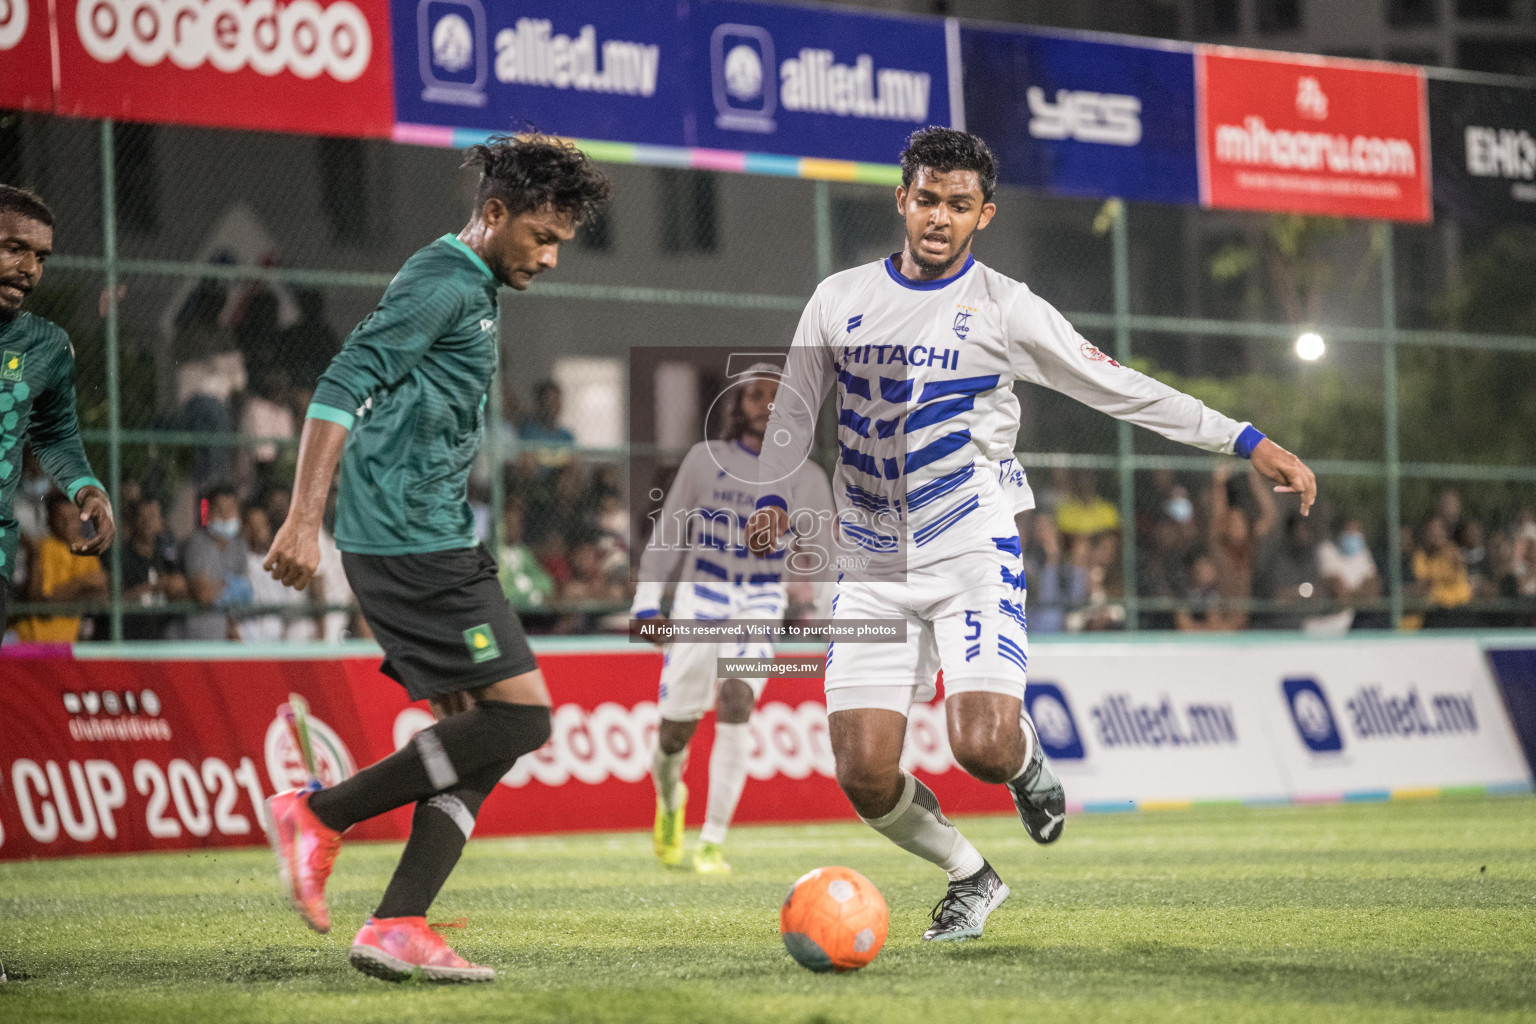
1031,741
667,771
727,776
918,826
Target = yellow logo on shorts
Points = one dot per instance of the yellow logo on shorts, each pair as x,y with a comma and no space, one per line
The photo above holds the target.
481,643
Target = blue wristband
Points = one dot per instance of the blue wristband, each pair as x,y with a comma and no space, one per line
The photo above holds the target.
1247,441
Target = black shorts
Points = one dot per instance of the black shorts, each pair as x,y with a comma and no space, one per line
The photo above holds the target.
442,619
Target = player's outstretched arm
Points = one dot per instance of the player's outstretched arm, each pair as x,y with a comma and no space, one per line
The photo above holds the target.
1286,470
295,552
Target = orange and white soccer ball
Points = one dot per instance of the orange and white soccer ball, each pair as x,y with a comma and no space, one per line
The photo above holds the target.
833,919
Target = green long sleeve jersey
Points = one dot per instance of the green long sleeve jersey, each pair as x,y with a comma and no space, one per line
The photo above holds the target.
37,404
410,385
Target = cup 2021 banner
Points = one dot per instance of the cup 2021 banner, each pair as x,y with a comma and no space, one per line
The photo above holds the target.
115,756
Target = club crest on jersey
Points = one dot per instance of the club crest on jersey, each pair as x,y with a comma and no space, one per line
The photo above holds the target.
1093,352
962,325
854,321
11,364
487,325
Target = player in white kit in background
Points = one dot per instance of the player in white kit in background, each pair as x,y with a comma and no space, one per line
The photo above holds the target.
924,348
699,539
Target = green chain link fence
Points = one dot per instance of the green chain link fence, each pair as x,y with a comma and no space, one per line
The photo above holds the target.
206,277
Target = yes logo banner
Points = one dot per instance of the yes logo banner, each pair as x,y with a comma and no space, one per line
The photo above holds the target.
1082,117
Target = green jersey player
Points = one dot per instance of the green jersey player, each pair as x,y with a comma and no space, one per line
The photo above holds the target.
37,387
401,410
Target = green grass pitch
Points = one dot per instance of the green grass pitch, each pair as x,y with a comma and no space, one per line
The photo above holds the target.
1364,912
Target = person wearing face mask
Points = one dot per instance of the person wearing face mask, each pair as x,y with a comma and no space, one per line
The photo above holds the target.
1348,570
216,565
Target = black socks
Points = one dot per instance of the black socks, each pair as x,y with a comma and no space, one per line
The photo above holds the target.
487,738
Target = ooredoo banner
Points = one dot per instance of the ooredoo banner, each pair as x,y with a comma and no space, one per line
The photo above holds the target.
1484,140
26,68
594,71
316,66
1084,117
1312,135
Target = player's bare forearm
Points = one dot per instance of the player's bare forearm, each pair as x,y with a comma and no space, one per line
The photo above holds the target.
295,552
1287,471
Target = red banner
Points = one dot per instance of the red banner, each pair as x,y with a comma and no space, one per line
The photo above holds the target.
121,756
304,66
26,65
1312,135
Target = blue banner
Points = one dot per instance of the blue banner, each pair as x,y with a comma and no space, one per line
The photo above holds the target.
814,82
1083,117
584,70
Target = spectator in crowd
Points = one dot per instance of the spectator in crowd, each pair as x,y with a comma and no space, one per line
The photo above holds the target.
307,345
1083,513
209,372
217,568
266,411
523,579
1474,555
1106,585
1295,579
1168,535
541,433
276,501
256,334
1440,576
1055,586
1348,571
590,582
1448,510
58,575
1235,540
283,615
1205,611
151,572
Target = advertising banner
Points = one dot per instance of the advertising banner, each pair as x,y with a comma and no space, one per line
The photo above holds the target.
582,70
313,66
1130,725
816,82
1081,117
1484,142
104,756
26,65
120,756
1312,135
1403,716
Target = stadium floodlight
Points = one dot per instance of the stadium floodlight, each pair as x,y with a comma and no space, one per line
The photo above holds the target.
1310,346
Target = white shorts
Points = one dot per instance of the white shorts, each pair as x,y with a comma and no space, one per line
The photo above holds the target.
964,615
689,686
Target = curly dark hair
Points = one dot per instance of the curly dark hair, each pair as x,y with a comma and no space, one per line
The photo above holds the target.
949,149
25,202
530,170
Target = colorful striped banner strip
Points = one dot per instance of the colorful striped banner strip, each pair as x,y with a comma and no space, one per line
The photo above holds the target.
1352,797
676,156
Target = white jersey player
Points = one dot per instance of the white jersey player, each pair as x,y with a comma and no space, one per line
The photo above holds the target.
923,349
699,539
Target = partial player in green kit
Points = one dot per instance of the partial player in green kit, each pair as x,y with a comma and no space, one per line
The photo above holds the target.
37,388
402,411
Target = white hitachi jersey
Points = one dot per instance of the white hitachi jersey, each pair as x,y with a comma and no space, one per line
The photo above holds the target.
925,404
699,538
